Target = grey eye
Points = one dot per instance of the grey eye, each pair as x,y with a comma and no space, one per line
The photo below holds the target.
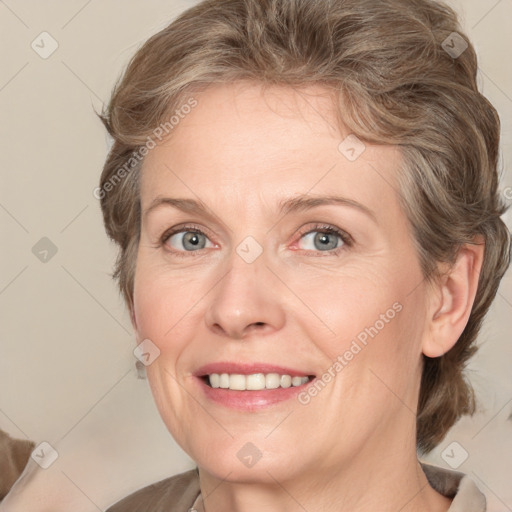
188,240
318,240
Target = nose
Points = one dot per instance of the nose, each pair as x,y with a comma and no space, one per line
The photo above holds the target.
245,301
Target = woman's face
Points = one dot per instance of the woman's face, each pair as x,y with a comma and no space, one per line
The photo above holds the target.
258,272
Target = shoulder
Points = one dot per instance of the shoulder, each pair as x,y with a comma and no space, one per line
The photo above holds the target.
453,484
174,494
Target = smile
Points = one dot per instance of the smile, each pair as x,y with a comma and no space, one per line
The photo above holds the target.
255,381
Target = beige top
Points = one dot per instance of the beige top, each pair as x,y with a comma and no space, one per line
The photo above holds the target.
181,493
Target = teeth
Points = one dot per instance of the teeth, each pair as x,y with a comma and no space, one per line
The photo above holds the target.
215,380
286,381
255,381
224,380
296,381
272,380
237,382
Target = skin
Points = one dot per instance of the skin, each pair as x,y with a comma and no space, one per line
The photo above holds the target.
352,447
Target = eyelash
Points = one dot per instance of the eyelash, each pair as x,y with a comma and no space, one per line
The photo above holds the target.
323,228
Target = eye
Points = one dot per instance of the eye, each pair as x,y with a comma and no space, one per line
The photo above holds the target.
186,239
324,239
319,238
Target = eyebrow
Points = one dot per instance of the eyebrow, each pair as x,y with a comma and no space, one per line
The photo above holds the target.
307,202
292,205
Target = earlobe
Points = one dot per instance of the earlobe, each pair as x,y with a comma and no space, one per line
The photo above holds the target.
454,295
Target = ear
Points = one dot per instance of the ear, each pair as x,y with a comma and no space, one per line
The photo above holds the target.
452,298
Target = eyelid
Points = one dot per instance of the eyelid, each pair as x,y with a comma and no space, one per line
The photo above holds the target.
327,228
183,228
345,237
347,240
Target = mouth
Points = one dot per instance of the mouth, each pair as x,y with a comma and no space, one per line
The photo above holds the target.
254,381
251,386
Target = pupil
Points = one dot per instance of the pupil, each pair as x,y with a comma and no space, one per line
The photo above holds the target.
323,239
193,239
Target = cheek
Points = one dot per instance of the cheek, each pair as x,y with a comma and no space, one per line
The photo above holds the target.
164,300
371,313
375,357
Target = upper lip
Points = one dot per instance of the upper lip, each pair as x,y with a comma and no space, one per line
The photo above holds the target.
248,369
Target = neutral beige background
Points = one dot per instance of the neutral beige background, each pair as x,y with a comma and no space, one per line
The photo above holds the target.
67,372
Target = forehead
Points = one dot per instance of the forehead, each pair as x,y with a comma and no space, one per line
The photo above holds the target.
257,145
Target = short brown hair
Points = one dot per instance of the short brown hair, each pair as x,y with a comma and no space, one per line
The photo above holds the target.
395,81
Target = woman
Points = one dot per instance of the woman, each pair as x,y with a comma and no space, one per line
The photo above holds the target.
304,195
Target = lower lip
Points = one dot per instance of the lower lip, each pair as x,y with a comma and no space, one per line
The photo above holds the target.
250,400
